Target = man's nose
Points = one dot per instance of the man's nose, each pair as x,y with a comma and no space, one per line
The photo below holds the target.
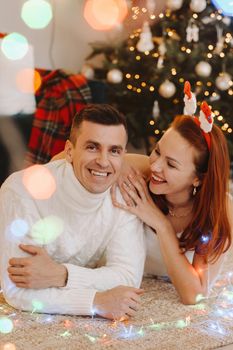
102,160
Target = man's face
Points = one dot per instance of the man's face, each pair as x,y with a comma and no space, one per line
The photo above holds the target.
97,155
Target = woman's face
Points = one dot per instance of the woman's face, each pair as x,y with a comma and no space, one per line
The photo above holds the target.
172,166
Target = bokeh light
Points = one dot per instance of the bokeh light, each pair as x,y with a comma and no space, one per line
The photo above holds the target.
14,46
6,325
36,13
105,14
46,230
39,182
28,80
19,228
8,346
37,305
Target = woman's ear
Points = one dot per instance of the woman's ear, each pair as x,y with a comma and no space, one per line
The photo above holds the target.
69,149
197,182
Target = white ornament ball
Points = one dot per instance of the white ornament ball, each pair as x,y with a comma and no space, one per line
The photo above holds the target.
223,81
114,76
203,69
167,89
88,71
198,5
174,4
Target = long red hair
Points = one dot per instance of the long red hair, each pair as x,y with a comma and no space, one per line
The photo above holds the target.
210,216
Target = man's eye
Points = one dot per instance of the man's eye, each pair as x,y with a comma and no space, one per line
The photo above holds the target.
157,152
116,151
91,147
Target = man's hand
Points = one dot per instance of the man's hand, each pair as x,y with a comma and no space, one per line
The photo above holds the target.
38,271
118,303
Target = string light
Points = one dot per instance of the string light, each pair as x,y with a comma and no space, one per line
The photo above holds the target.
152,88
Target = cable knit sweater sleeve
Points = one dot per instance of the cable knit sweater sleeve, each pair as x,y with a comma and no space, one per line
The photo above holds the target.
74,301
125,256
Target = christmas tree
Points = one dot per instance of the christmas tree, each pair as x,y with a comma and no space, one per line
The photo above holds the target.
191,40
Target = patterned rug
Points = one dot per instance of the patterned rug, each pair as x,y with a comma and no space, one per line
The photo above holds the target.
162,323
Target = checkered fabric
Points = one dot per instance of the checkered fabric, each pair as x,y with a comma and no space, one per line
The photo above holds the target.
60,96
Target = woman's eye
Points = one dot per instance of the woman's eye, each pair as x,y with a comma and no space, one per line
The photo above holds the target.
157,152
171,165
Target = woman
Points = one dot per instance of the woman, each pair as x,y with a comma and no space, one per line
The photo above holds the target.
185,205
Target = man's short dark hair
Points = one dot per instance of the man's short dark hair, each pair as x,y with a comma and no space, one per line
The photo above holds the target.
97,113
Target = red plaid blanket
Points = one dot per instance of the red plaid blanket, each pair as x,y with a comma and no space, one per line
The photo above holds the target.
60,96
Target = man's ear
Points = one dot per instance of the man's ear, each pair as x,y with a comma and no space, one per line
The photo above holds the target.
69,150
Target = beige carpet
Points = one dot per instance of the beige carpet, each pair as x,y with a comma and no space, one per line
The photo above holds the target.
163,323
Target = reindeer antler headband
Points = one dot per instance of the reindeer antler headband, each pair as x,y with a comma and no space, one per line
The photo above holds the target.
206,117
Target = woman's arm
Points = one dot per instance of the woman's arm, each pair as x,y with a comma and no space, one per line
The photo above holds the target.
58,156
139,162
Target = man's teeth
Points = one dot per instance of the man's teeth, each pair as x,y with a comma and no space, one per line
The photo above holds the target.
96,173
157,178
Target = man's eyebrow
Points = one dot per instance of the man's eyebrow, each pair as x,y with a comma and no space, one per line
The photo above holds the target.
97,144
169,158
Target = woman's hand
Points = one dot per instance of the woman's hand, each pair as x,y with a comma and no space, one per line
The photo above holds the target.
139,201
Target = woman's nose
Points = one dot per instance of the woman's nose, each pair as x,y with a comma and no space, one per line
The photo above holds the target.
157,165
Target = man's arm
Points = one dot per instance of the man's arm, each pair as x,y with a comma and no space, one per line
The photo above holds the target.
73,300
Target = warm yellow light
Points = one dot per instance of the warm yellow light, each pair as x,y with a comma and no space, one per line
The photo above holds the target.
216,112
147,53
188,51
129,87
152,88
199,83
209,83
229,130
143,84
181,80
131,48
209,55
156,131
152,122
195,15
210,47
206,93
230,92
137,76
183,48
220,117
155,54
161,15
173,70
138,58
222,54
128,75
226,125
139,90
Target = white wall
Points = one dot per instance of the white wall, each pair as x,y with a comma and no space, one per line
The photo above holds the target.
64,42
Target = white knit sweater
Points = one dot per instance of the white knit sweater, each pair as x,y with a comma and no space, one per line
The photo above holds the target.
92,227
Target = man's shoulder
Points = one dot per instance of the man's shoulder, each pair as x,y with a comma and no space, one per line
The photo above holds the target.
34,175
120,213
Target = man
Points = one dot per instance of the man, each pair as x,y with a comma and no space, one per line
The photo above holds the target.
55,231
